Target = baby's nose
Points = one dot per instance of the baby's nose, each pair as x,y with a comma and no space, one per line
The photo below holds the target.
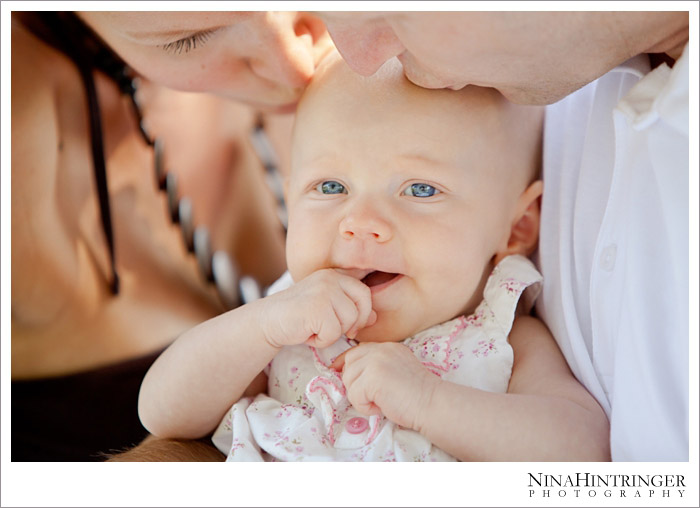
365,226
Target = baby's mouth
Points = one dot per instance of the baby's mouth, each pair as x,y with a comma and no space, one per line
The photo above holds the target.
377,278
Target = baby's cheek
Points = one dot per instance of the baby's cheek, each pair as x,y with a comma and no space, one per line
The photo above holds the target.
296,269
296,253
302,261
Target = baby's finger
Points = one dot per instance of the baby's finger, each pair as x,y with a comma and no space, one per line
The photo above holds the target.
358,397
339,362
361,295
354,363
328,330
346,313
367,409
372,318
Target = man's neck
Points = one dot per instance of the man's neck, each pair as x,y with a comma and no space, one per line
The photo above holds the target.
670,48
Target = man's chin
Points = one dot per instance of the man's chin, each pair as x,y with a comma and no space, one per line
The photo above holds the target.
426,79
540,93
431,82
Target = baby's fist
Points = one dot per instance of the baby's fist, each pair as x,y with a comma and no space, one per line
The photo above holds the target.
317,310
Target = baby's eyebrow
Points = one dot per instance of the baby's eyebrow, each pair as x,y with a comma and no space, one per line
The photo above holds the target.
336,161
325,158
426,159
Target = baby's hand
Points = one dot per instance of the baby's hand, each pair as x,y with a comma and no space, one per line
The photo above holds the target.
317,310
386,378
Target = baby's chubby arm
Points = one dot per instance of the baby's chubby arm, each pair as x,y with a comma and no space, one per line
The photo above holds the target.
546,415
207,369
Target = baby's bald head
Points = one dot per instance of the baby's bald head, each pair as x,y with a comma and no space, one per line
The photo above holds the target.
385,112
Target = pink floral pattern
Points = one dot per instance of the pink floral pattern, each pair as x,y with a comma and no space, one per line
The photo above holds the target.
477,319
285,410
484,348
293,376
513,286
435,351
237,445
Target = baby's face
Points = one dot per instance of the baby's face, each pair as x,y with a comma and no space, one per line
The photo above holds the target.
411,191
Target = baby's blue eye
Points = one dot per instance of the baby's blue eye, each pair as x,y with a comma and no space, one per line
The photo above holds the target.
420,190
331,187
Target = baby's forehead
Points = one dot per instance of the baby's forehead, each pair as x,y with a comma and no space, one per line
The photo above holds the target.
387,98
385,113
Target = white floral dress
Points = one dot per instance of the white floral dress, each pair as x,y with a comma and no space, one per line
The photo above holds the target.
306,414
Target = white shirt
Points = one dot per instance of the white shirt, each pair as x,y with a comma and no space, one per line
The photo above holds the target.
614,250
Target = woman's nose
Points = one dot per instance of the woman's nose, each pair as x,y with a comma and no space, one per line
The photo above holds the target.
287,57
366,44
365,224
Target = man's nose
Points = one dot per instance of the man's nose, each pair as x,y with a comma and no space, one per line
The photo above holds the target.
365,46
364,223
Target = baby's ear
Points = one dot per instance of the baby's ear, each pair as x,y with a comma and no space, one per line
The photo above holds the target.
525,228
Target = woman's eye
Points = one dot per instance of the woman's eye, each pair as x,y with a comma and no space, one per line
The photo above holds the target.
420,190
331,187
188,43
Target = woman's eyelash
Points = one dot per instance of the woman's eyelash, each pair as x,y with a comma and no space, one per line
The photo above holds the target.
188,43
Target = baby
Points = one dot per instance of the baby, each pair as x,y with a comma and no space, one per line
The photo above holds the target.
411,213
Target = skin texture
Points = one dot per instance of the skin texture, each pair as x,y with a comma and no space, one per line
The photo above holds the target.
546,414
262,58
530,57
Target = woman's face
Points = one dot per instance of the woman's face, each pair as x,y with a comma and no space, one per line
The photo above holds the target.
261,58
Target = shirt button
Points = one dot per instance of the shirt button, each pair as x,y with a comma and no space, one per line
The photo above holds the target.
356,425
608,257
